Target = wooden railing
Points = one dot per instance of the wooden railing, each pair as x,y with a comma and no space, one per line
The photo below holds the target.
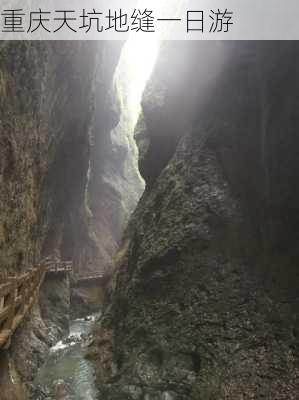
89,277
59,266
18,294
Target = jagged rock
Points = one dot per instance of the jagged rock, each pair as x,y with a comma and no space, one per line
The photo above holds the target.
203,304
61,390
46,106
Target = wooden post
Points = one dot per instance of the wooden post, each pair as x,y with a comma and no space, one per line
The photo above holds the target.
2,302
17,296
11,304
23,293
30,286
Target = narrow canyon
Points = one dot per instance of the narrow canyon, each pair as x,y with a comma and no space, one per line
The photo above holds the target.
149,218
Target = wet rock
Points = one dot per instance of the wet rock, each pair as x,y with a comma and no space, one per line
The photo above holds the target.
91,354
83,337
90,342
55,304
39,392
11,387
134,391
30,345
169,396
61,391
85,301
71,339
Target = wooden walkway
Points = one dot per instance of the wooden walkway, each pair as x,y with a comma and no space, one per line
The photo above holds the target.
90,277
59,266
18,294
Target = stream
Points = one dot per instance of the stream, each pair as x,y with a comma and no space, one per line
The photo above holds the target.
67,375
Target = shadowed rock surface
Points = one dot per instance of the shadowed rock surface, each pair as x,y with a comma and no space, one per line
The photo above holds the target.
203,304
48,102
114,186
39,118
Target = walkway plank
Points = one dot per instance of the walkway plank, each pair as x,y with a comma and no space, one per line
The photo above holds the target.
18,294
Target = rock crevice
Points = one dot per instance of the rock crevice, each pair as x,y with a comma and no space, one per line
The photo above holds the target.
202,305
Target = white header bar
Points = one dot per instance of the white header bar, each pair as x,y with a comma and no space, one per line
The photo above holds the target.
164,19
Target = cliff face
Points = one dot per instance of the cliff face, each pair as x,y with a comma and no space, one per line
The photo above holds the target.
203,304
47,109
114,186
46,113
108,192
20,175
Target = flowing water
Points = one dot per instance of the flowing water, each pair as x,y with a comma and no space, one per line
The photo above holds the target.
67,374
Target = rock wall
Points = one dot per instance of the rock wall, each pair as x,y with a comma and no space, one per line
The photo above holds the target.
67,183
114,185
204,302
46,110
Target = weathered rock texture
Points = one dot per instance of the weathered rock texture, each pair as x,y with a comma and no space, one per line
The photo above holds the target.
204,301
46,105
114,185
67,185
86,300
45,118
55,301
